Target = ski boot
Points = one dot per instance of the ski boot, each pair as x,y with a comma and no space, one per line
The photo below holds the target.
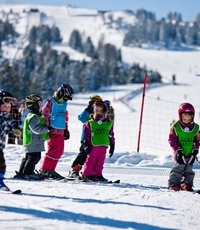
187,187
33,176
3,187
51,174
175,187
101,179
74,173
88,178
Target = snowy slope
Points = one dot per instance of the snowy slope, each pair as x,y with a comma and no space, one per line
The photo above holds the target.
142,200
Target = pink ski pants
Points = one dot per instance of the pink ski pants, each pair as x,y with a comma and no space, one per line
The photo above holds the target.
55,149
95,161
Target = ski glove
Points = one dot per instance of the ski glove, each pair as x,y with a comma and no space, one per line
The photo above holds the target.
112,148
194,154
17,132
86,147
179,156
50,128
66,134
89,109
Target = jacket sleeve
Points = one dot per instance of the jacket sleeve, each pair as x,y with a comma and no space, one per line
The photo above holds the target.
197,141
83,117
173,140
87,132
36,127
46,112
111,135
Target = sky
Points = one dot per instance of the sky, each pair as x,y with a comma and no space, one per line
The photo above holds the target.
188,8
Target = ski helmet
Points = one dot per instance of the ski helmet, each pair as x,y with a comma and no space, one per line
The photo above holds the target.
32,101
94,98
186,108
7,98
65,91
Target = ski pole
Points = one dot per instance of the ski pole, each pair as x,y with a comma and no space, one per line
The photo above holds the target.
186,163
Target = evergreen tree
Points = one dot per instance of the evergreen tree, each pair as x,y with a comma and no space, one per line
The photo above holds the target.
89,48
75,41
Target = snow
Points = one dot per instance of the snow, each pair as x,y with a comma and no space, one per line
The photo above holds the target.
141,200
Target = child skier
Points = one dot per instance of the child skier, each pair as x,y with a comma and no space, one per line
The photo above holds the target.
83,117
35,132
55,115
184,139
98,135
6,125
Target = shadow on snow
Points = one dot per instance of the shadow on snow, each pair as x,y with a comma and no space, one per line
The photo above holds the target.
63,215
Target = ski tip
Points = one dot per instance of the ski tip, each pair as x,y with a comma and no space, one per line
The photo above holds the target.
18,191
113,182
197,192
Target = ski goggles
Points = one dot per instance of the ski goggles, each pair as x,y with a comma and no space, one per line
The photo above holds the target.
67,95
9,100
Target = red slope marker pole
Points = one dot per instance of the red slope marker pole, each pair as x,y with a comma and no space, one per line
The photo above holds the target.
141,113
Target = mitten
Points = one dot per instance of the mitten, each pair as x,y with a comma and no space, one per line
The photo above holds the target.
179,156
112,148
66,134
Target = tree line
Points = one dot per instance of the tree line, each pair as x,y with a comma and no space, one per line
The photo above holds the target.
170,32
43,71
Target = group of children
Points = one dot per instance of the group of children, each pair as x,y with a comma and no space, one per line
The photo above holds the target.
50,123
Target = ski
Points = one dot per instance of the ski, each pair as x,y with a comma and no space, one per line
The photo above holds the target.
197,192
114,182
17,191
101,182
91,181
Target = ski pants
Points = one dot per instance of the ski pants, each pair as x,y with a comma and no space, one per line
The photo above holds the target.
181,174
2,163
28,163
95,160
55,149
81,158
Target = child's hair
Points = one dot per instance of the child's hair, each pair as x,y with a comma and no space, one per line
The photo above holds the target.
101,104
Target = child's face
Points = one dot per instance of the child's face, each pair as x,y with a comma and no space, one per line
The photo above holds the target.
98,112
5,108
186,118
